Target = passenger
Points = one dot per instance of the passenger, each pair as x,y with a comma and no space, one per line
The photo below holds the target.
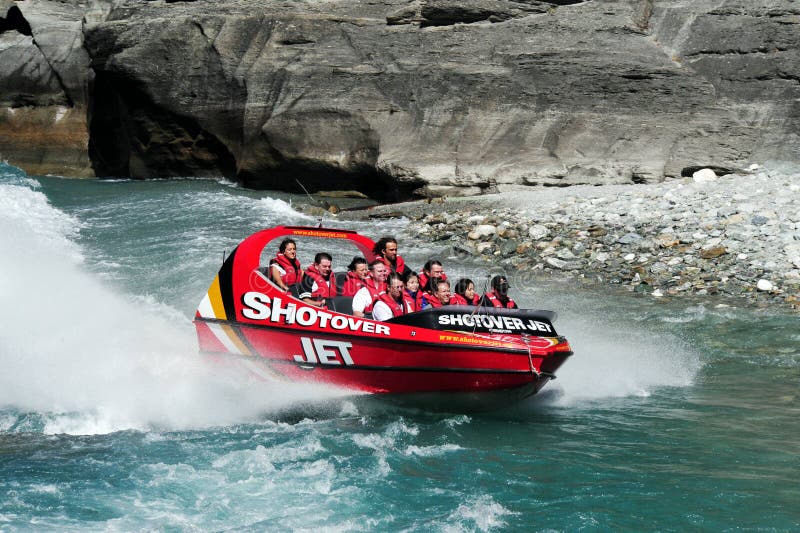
432,269
440,297
431,273
285,269
357,272
412,286
319,282
394,302
386,250
374,286
498,296
464,293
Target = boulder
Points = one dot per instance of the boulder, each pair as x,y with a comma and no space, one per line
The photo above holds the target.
399,98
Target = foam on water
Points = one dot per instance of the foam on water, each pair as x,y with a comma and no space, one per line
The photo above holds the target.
93,360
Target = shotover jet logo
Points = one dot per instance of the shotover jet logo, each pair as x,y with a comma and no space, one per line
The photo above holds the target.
326,352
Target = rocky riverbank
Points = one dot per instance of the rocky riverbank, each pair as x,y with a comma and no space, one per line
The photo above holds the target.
735,236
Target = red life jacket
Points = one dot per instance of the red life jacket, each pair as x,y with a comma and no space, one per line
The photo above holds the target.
293,270
433,301
398,308
326,288
492,297
374,292
457,299
352,284
398,266
412,298
423,280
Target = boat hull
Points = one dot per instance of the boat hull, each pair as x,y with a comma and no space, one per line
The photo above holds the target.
374,365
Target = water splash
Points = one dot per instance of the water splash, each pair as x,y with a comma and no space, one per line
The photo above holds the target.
94,360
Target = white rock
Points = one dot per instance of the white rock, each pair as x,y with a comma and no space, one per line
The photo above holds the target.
482,230
764,285
538,232
657,293
704,175
630,257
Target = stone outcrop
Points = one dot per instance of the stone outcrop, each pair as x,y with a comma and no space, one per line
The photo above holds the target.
394,98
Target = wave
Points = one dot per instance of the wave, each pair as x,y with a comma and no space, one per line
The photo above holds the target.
91,359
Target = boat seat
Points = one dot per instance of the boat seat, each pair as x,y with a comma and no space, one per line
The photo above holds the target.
340,304
341,279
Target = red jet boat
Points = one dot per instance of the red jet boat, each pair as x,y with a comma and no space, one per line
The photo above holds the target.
443,352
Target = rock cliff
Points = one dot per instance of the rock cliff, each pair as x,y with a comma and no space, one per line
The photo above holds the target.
395,98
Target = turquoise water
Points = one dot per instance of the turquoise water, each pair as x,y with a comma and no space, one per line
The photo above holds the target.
670,416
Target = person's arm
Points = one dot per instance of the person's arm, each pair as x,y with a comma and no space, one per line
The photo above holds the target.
360,301
308,286
381,311
276,277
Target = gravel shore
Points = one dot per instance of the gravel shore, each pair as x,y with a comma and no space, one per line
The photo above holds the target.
737,235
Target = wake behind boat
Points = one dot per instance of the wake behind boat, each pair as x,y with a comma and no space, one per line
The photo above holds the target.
439,352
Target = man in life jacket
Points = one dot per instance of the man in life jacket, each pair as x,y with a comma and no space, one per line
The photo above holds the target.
432,272
319,282
375,285
440,297
498,296
357,274
284,268
433,269
386,250
395,301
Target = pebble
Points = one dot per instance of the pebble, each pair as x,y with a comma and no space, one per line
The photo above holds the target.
720,235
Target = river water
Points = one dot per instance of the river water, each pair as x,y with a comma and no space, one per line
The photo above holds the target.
670,416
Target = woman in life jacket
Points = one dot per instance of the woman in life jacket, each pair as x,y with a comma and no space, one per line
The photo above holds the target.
411,281
432,271
440,297
464,293
357,272
386,250
374,286
285,269
319,281
394,302
498,296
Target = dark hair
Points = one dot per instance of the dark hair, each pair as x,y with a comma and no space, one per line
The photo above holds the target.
322,255
427,266
357,260
376,262
285,243
408,274
461,286
500,280
393,276
381,245
442,281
